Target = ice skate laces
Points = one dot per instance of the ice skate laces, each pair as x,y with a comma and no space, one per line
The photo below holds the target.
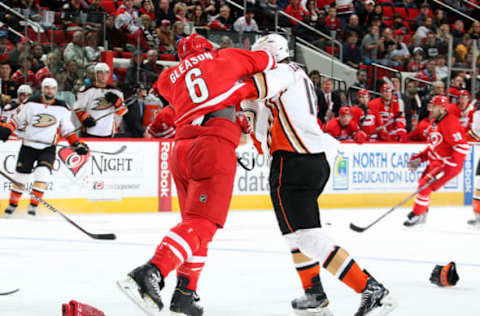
155,280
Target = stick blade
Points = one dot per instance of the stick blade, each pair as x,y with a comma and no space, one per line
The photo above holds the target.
10,292
103,236
357,228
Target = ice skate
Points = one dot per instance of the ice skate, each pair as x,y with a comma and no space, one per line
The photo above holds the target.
143,286
184,301
413,219
32,210
375,298
10,209
474,222
311,304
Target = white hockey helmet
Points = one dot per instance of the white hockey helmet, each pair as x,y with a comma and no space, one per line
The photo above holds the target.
49,82
24,88
101,67
275,44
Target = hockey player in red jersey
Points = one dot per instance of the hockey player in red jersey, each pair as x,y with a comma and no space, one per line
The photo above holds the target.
463,109
420,132
393,118
368,120
445,154
344,127
205,91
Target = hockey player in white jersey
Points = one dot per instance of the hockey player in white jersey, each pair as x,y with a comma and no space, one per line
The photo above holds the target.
24,92
100,107
298,174
43,117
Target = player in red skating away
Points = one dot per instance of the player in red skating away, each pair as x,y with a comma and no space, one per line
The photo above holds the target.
445,154
205,91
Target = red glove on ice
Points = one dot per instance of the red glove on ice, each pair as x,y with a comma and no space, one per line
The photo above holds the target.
75,308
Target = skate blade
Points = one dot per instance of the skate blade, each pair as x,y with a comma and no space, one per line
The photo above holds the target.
131,290
319,311
388,305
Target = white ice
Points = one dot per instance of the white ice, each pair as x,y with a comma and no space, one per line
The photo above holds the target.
249,271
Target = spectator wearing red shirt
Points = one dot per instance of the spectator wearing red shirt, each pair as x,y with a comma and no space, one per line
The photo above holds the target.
222,20
332,21
48,70
5,46
296,10
148,9
24,75
417,64
344,127
321,4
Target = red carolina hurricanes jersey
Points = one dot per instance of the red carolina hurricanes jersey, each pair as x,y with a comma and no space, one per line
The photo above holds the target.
339,132
368,122
163,125
392,116
420,133
447,142
209,81
465,116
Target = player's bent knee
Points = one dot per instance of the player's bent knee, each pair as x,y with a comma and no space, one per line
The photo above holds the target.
203,229
291,240
23,178
42,173
314,243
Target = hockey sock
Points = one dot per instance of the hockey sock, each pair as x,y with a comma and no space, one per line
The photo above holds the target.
422,202
15,195
307,268
341,265
192,268
181,242
38,190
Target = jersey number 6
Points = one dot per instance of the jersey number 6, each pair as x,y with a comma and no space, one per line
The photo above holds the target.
196,86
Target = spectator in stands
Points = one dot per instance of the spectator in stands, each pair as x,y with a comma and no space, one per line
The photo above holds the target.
70,14
444,33
180,11
314,75
24,75
126,18
76,51
149,38
269,9
353,25
166,38
433,47
92,49
226,42
412,105
313,14
441,68
178,31
222,20
418,63
114,37
458,32
332,21
361,83
132,121
462,49
148,9
474,31
424,29
136,74
399,23
438,88
328,102
152,67
351,52
247,22
424,14
400,53
8,87
198,16
427,74
370,45
63,89
23,46
5,46
96,13
366,12
164,12
37,54
296,10
439,18
377,12
49,70
72,71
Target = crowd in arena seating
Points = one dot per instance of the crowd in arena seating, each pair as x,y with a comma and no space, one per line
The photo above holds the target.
66,38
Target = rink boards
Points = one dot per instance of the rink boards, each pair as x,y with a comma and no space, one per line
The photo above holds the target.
139,180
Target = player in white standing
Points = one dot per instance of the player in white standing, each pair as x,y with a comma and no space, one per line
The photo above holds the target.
42,118
24,92
100,107
298,174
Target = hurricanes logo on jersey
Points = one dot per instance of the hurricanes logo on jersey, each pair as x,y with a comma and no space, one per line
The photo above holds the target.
436,138
101,104
44,120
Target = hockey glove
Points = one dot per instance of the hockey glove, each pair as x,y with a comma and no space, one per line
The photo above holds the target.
111,98
81,148
5,132
244,123
445,275
89,121
74,308
413,164
360,137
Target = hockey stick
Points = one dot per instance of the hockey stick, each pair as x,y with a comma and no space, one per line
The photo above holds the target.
10,292
244,166
118,151
53,209
359,229
101,117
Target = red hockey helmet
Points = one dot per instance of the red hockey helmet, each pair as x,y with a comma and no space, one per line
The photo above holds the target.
464,93
363,92
386,88
344,110
440,100
193,44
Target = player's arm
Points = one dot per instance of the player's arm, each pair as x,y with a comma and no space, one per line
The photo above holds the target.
473,135
272,82
115,98
455,137
67,130
251,61
80,107
16,121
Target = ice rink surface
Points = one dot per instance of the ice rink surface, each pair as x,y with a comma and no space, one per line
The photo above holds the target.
249,271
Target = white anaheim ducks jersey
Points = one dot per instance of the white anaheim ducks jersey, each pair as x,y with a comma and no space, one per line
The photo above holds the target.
43,122
291,98
261,122
92,100
11,110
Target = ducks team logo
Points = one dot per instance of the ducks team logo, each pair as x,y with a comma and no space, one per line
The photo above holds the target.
44,120
340,172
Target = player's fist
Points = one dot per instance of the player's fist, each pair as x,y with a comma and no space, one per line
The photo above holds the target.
414,163
5,132
89,121
81,148
360,137
111,97
244,123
